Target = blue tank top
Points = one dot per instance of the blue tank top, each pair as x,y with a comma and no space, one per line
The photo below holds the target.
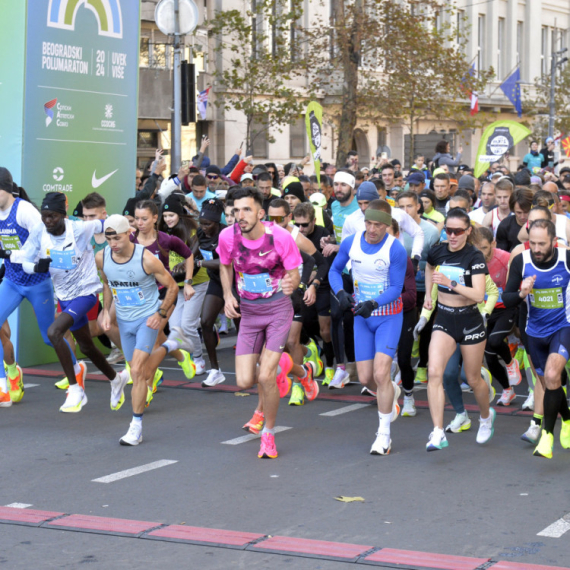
548,302
135,291
13,237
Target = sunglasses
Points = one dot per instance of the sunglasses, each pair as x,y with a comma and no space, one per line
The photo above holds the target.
278,219
212,176
455,231
300,225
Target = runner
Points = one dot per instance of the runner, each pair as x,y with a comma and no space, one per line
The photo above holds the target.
504,189
459,271
378,271
265,260
130,274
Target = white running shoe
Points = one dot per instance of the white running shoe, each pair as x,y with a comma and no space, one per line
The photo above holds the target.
340,379
460,422
514,373
223,325
367,392
465,387
507,397
75,399
134,435
382,444
486,375
115,356
532,434
486,429
529,402
200,364
409,409
214,377
395,405
437,440
177,334
352,373
118,389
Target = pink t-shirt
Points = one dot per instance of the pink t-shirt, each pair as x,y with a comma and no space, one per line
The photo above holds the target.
498,267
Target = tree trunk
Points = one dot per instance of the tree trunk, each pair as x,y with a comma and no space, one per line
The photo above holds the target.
412,142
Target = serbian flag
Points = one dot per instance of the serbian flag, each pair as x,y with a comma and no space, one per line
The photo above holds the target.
203,102
565,144
474,103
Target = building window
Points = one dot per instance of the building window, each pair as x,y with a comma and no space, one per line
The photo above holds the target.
297,138
501,49
544,51
148,139
481,42
259,137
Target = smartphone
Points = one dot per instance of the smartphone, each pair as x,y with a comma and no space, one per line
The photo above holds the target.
384,155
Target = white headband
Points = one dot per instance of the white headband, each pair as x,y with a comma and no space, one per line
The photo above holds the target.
346,178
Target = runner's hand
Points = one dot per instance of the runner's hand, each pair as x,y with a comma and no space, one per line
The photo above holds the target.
5,253
419,327
365,309
106,320
154,322
188,292
345,300
310,296
287,285
42,266
527,285
428,303
231,308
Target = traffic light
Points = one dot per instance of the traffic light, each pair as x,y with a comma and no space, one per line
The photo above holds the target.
188,87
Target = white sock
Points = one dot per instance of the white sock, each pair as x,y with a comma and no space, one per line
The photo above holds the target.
137,419
76,368
268,430
171,345
385,422
3,384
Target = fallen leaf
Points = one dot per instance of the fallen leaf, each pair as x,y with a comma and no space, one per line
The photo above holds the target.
242,394
349,499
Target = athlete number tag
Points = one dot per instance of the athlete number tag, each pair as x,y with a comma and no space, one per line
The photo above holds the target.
62,259
11,242
367,291
207,255
547,298
260,283
129,296
452,273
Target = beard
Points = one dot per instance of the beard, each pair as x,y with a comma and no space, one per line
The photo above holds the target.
542,257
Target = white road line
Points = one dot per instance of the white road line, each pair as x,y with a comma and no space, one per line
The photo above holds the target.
345,410
252,436
18,505
26,386
134,471
558,528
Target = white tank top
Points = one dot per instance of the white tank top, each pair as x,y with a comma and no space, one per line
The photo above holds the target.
561,228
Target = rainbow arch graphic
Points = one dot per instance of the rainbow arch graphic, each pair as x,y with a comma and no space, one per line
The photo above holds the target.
62,13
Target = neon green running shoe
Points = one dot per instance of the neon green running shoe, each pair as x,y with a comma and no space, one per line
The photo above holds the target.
62,384
519,357
329,375
416,349
149,397
297,395
16,386
157,380
313,356
565,434
421,376
187,365
545,445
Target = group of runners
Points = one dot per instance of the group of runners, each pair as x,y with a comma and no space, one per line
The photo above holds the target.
391,282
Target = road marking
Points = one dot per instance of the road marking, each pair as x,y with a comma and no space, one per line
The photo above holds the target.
134,471
18,505
26,386
345,410
558,528
252,436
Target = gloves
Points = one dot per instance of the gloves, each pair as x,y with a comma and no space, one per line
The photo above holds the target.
345,300
419,327
415,263
485,318
5,254
365,309
42,266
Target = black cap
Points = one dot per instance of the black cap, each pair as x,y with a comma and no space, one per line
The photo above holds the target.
212,210
6,180
55,202
78,212
129,209
295,189
213,169
174,204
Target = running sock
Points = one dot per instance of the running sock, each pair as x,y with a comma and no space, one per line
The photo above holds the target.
305,375
537,419
341,366
552,405
268,430
3,384
137,418
385,420
171,345
564,411
76,368
12,370
328,351
408,393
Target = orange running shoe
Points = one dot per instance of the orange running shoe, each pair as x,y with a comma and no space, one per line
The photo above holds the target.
255,425
82,376
310,385
5,401
283,382
267,449
17,386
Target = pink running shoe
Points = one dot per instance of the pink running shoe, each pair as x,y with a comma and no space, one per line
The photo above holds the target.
283,382
267,449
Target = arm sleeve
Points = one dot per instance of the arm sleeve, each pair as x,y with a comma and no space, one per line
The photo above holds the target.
30,250
238,171
339,263
502,238
511,297
492,296
230,165
425,312
413,229
409,293
28,216
308,264
322,266
197,162
328,222
398,262
148,188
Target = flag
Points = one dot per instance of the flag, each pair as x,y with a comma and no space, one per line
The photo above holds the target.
474,103
203,102
565,143
511,87
314,125
473,97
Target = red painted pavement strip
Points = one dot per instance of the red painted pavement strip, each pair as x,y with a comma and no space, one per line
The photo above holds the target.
523,566
199,535
26,517
407,558
311,548
87,523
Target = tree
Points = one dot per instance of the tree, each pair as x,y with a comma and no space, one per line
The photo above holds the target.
259,67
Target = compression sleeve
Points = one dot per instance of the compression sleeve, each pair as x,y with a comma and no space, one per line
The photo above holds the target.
397,271
322,266
308,264
339,263
492,296
511,297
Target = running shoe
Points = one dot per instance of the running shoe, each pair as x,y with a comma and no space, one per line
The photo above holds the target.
310,385
255,425
486,375
416,349
395,405
187,365
62,384
313,356
329,374
118,390
352,373
223,325
177,334
200,364
465,387
297,395
267,449
532,434
16,386
545,445
460,422
421,375
149,397
283,381
214,378
565,434
514,373
81,376
486,427
5,401
520,357
157,380
340,379
382,444
437,440
75,400
507,397
116,355
134,435
529,402
367,392
409,409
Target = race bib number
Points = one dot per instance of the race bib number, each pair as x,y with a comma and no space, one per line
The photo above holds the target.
260,283
11,242
66,260
128,296
338,233
368,291
452,273
547,298
207,255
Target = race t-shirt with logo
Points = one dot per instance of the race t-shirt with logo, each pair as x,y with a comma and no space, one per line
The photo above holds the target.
458,265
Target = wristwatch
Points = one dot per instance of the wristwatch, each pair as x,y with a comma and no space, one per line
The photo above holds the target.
188,281
453,284
162,313
303,286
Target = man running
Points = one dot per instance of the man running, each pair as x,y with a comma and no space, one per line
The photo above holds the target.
504,189
265,259
378,272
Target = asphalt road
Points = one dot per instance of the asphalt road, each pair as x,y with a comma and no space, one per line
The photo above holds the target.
468,500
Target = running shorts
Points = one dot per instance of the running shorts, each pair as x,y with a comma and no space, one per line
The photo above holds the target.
464,325
377,334
539,348
136,335
78,310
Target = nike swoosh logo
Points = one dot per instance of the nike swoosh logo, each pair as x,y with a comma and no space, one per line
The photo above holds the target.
465,331
96,182
261,253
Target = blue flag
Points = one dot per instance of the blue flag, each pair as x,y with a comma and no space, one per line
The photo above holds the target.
512,89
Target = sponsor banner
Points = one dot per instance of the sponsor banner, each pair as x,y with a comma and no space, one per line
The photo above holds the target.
314,124
80,131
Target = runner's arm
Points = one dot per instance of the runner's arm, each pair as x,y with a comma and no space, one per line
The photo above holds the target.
492,292
153,266
511,294
29,252
308,264
413,229
339,263
397,271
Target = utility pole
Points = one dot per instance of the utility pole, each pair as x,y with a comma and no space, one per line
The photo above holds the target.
555,63
176,120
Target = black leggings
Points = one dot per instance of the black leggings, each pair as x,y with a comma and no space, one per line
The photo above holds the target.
342,326
500,324
405,350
